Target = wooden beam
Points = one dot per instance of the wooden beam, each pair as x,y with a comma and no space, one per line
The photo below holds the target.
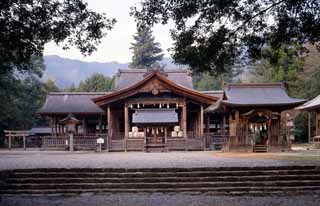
155,101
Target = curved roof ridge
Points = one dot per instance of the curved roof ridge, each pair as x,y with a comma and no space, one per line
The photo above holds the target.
241,85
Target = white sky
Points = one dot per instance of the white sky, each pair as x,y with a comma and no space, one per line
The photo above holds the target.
115,46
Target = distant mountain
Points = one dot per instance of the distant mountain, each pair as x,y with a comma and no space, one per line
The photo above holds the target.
66,71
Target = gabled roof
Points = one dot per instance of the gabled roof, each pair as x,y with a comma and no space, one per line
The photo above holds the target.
131,90
71,102
311,105
128,77
258,95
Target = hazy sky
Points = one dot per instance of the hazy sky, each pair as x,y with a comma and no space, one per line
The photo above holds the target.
115,46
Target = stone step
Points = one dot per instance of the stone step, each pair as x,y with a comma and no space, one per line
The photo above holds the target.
202,169
161,179
236,173
138,186
211,190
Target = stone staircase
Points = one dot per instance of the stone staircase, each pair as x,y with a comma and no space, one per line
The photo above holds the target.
260,148
217,181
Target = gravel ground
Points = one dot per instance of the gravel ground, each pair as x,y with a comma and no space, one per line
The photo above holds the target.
45,159
159,199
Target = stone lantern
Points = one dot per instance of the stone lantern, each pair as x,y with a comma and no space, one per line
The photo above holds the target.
71,123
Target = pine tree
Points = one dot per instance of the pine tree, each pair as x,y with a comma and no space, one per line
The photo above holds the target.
146,52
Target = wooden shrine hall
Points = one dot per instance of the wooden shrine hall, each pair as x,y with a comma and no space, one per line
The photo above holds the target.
158,110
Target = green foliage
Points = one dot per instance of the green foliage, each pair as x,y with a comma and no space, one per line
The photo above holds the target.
26,26
283,64
206,82
95,83
146,52
51,86
311,84
301,127
209,35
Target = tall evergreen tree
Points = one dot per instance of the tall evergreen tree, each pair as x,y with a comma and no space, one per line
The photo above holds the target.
146,52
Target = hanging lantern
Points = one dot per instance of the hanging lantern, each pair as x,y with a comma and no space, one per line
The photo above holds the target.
138,105
168,106
176,105
160,106
131,106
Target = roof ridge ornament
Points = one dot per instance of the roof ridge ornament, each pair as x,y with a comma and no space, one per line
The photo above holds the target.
151,70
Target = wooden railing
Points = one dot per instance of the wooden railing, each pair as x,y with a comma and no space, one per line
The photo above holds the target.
119,143
50,142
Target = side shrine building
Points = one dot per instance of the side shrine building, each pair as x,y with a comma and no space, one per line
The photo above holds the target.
154,110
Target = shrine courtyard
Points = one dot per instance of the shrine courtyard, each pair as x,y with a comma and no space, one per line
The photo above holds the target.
20,159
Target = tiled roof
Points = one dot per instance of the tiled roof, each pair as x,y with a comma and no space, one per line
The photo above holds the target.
310,105
129,77
217,93
71,102
154,116
258,95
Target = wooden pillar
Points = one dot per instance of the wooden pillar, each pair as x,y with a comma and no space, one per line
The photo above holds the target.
309,127
223,128
126,126
236,127
126,121
201,121
109,117
184,119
